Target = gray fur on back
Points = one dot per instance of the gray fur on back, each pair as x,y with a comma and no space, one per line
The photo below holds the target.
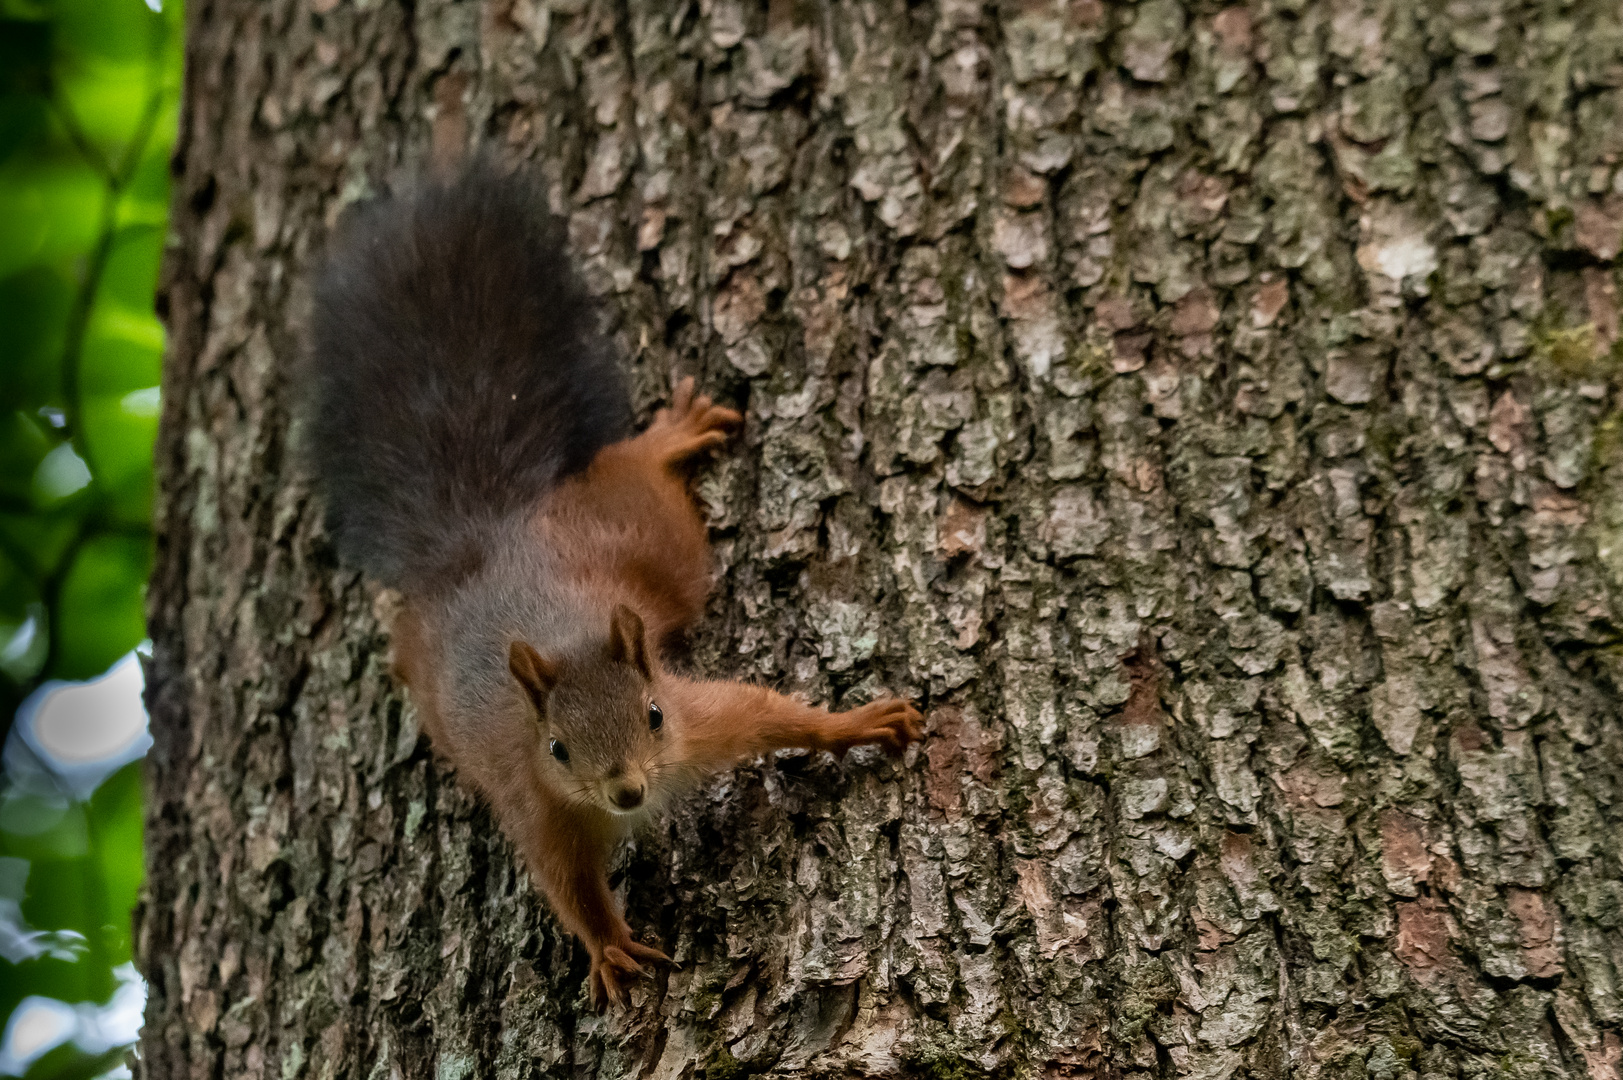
519,594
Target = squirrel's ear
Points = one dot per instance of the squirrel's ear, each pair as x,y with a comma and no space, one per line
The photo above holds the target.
533,673
625,639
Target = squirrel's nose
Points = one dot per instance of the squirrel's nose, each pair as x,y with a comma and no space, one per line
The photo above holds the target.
628,798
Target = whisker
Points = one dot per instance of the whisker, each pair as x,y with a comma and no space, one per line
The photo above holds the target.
579,794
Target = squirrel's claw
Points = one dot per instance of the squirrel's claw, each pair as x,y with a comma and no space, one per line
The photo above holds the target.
609,972
682,397
646,952
615,967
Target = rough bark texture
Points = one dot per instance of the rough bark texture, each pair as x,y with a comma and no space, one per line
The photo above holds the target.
1211,413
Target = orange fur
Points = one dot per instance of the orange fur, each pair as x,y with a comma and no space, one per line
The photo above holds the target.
413,665
627,531
628,527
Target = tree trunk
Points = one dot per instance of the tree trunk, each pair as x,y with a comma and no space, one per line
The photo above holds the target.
1211,414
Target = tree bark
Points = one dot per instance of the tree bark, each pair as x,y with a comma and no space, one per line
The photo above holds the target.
1211,414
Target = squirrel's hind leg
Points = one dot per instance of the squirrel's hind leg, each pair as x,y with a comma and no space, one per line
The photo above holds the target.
691,425
641,521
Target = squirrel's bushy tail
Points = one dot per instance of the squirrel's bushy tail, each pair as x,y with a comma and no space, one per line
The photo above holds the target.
457,374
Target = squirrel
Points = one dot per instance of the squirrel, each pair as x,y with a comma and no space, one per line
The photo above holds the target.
471,429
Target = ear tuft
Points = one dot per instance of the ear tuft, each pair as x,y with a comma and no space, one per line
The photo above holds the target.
626,640
534,674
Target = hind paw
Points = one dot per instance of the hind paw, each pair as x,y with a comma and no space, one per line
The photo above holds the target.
691,425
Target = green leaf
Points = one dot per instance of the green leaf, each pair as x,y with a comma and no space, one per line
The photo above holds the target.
106,99
23,445
43,540
25,55
39,827
115,823
25,121
120,364
100,614
34,307
131,275
119,433
68,1062
119,30
108,65
52,211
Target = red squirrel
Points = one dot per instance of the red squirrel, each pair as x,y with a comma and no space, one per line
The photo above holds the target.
471,430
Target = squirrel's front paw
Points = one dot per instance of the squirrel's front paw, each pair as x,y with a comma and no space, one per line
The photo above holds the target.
616,966
891,724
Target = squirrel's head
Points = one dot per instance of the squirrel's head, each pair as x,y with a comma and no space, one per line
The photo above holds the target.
599,722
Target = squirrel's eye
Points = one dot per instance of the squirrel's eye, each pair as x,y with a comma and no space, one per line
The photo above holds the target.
655,717
559,752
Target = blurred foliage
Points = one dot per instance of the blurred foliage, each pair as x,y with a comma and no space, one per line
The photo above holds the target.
88,96
88,92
